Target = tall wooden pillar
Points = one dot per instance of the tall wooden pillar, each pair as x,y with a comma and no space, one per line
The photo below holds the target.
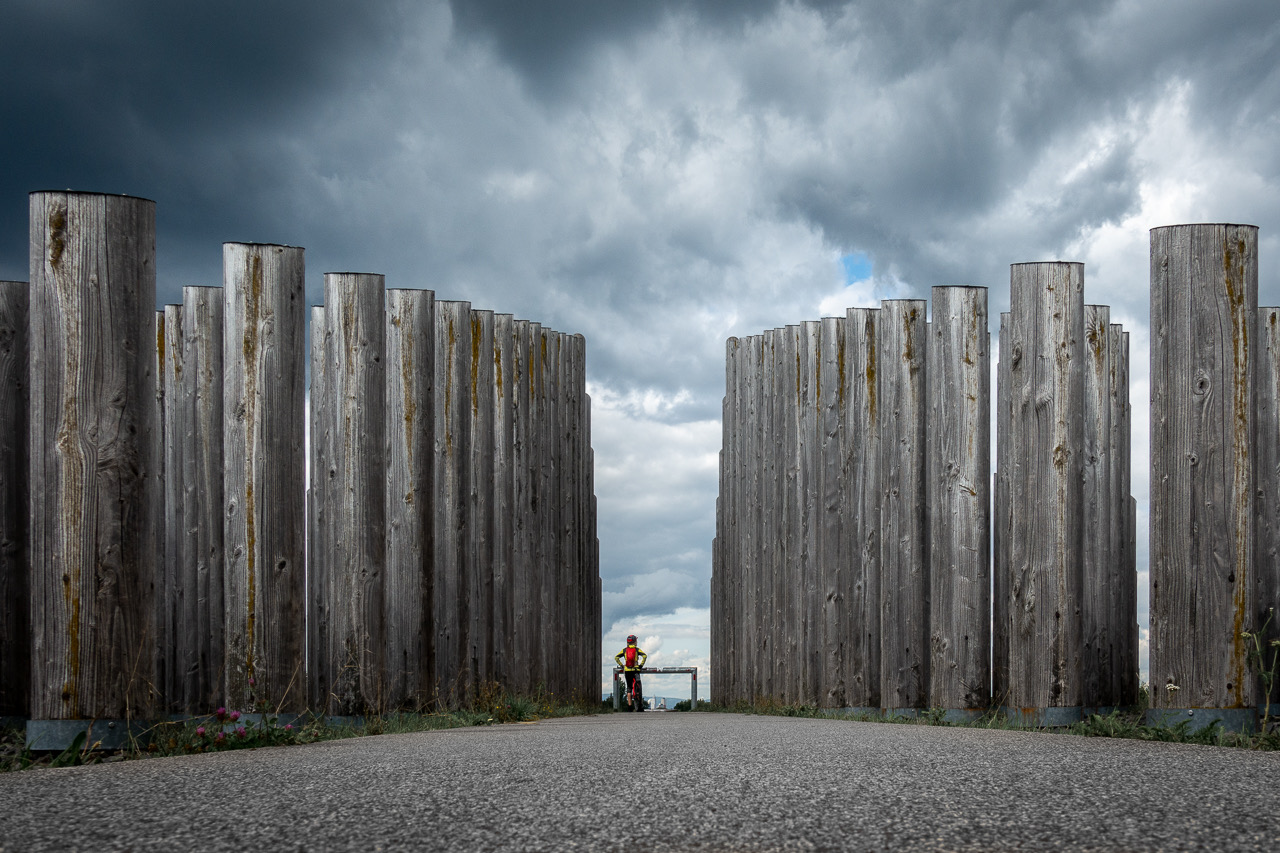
410,345
902,344
15,641
1044,483
264,381
1204,295
93,425
355,502
958,490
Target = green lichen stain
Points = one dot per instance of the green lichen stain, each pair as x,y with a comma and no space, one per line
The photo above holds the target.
476,331
1233,268
1096,335
57,233
249,346
406,377
871,368
840,369
448,385
497,369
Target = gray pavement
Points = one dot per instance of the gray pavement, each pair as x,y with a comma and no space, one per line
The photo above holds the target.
663,781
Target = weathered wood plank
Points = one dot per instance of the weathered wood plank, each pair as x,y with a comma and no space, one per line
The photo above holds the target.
202,483
15,399
176,577
1098,509
505,652
355,503
319,544
1002,524
92,383
410,342
1123,580
832,556
522,553
1046,389
1204,291
1267,482
265,319
450,561
480,485
809,493
903,346
793,521
863,500
958,491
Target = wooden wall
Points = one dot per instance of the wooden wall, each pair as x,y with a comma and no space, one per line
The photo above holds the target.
853,560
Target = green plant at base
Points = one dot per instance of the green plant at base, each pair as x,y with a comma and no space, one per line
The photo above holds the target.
1267,670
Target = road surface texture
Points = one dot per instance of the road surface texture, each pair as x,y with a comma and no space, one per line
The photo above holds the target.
663,781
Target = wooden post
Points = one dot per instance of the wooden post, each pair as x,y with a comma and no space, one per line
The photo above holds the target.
731,567
506,654
410,340
958,490
810,493
1204,293
355,381
1002,525
783,366
1044,496
451,479
861,465
319,542
92,384
760,643
1098,508
175,581
1123,565
833,551
15,641
792,648
262,438
904,604
479,543
522,567
1267,474
202,486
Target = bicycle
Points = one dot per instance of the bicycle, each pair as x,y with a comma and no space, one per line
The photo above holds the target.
635,697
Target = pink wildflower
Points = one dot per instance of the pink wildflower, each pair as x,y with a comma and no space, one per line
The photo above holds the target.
252,682
221,713
220,737
235,715
288,727
200,730
240,732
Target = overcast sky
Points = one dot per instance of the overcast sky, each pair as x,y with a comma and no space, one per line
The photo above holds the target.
659,175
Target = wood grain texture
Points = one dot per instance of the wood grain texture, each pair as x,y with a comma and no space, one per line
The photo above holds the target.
451,477
1045,446
958,494
175,578
1267,482
15,640
479,544
319,546
832,552
1204,290
504,648
1098,509
904,592
92,428
1123,577
522,556
202,486
861,468
410,343
265,321
355,383
1001,528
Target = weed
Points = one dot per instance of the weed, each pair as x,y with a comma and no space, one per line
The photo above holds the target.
1267,669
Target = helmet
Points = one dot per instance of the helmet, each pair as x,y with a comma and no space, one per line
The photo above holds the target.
631,638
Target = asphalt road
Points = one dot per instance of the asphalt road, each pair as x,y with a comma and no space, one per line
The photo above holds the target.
663,781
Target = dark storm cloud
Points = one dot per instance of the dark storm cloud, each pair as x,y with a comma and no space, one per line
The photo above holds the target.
185,103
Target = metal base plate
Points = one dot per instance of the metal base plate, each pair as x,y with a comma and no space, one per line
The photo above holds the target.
1042,718
1231,719
57,735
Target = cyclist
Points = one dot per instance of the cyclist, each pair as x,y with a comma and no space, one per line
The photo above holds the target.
631,659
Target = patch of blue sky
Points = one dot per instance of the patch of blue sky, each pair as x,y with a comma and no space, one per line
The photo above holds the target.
856,266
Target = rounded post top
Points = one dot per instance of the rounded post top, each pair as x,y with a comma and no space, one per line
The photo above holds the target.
1048,264
251,245
1205,225
84,194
